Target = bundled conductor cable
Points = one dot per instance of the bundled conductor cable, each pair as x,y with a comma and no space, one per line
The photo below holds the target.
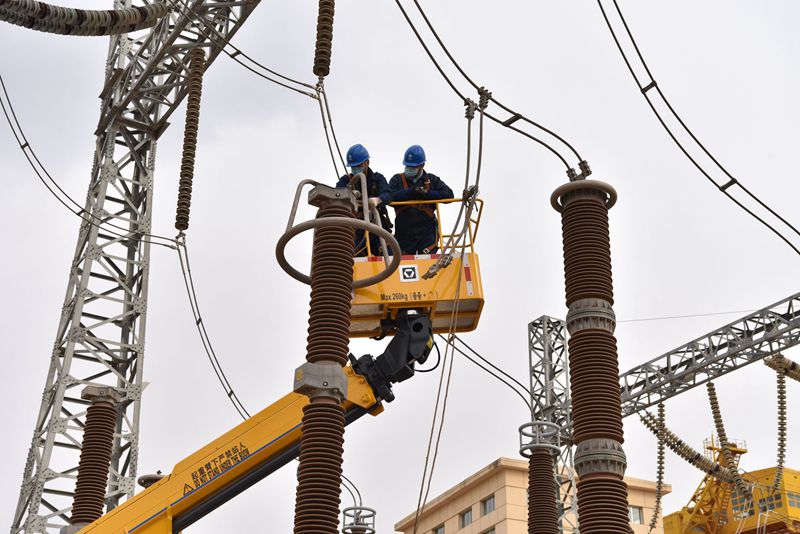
49,18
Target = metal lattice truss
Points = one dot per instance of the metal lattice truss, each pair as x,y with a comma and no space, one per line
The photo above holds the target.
547,352
735,345
100,337
750,339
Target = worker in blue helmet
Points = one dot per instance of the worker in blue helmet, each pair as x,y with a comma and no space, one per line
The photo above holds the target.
417,228
377,192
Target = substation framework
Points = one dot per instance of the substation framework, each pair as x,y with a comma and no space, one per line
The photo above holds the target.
100,339
750,339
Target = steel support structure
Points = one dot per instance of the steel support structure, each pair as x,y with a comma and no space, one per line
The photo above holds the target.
101,332
549,383
750,339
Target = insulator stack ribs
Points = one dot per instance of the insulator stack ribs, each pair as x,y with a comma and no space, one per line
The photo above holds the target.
594,372
319,475
322,52
727,454
542,510
661,435
686,451
98,440
781,388
195,90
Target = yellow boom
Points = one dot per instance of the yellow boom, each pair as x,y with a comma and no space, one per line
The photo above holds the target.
225,467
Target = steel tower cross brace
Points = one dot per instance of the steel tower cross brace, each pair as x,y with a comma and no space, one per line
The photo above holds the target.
101,333
549,376
750,339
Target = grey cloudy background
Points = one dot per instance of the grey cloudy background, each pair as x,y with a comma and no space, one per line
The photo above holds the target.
679,247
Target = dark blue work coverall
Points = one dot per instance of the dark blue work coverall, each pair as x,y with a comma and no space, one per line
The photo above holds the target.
417,229
376,187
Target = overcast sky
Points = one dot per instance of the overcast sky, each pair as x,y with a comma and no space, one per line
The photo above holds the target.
678,246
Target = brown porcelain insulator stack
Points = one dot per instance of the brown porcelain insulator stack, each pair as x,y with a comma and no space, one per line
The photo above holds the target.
594,384
319,475
542,510
322,52
95,459
194,84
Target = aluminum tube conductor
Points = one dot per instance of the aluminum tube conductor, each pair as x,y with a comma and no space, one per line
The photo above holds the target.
597,421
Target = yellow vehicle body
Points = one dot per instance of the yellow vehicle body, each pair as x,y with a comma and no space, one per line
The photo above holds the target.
452,298
268,436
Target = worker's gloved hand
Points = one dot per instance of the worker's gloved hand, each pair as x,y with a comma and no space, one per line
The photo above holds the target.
374,202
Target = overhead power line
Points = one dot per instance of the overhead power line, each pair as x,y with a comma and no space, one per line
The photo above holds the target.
515,115
730,183
54,188
241,58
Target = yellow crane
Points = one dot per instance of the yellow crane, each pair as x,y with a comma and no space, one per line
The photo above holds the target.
255,448
717,508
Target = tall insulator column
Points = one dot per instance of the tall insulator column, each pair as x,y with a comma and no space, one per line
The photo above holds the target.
596,414
540,442
98,441
542,510
319,476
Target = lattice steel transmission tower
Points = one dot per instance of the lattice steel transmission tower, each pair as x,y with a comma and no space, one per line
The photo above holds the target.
549,375
101,333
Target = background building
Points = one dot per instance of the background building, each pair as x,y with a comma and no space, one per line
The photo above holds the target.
494,501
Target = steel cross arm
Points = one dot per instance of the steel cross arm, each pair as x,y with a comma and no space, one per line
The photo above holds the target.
153,82
731,347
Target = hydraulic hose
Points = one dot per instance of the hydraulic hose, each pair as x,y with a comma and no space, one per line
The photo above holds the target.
50,18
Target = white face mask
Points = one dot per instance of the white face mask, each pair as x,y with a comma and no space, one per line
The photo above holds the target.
411,172
358,168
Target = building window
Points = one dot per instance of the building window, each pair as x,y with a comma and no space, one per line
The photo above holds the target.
438,530
636,515
487,505
490,531
794,499
465,518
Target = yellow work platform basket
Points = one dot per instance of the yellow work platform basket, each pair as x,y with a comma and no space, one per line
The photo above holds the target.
452,298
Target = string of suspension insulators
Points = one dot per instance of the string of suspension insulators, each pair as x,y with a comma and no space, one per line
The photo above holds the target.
49,18
195,89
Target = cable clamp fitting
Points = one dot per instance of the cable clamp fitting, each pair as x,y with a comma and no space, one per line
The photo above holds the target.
471,107
485,96
321,380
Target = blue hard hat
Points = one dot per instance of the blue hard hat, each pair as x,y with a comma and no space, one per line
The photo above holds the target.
357,155
414,156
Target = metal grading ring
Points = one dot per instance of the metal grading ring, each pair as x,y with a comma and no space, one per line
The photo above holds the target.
583,184
325,222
